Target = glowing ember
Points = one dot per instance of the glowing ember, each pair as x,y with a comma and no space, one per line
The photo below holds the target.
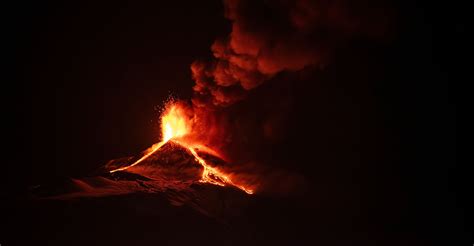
175,125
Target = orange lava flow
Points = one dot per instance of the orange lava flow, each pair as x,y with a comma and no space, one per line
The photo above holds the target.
214,176
175,125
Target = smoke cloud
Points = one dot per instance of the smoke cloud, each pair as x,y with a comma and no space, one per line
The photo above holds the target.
269,37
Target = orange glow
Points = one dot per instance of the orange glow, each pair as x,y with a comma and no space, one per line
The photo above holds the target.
175,126
174,123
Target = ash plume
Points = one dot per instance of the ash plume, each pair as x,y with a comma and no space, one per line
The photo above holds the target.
269,37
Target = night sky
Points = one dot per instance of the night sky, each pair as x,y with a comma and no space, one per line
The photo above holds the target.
379,157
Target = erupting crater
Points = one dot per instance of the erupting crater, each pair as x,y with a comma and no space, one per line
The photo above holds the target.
175,127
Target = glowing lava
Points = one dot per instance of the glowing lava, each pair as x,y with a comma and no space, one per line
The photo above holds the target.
175,125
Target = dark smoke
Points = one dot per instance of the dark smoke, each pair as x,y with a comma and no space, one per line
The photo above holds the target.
272,41
269,37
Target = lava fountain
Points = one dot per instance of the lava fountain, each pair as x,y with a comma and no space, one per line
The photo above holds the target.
175,126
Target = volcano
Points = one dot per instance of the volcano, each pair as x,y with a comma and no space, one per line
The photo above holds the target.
172,165
176,127
178,169
171,172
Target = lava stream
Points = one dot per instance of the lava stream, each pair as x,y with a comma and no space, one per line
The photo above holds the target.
155,148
